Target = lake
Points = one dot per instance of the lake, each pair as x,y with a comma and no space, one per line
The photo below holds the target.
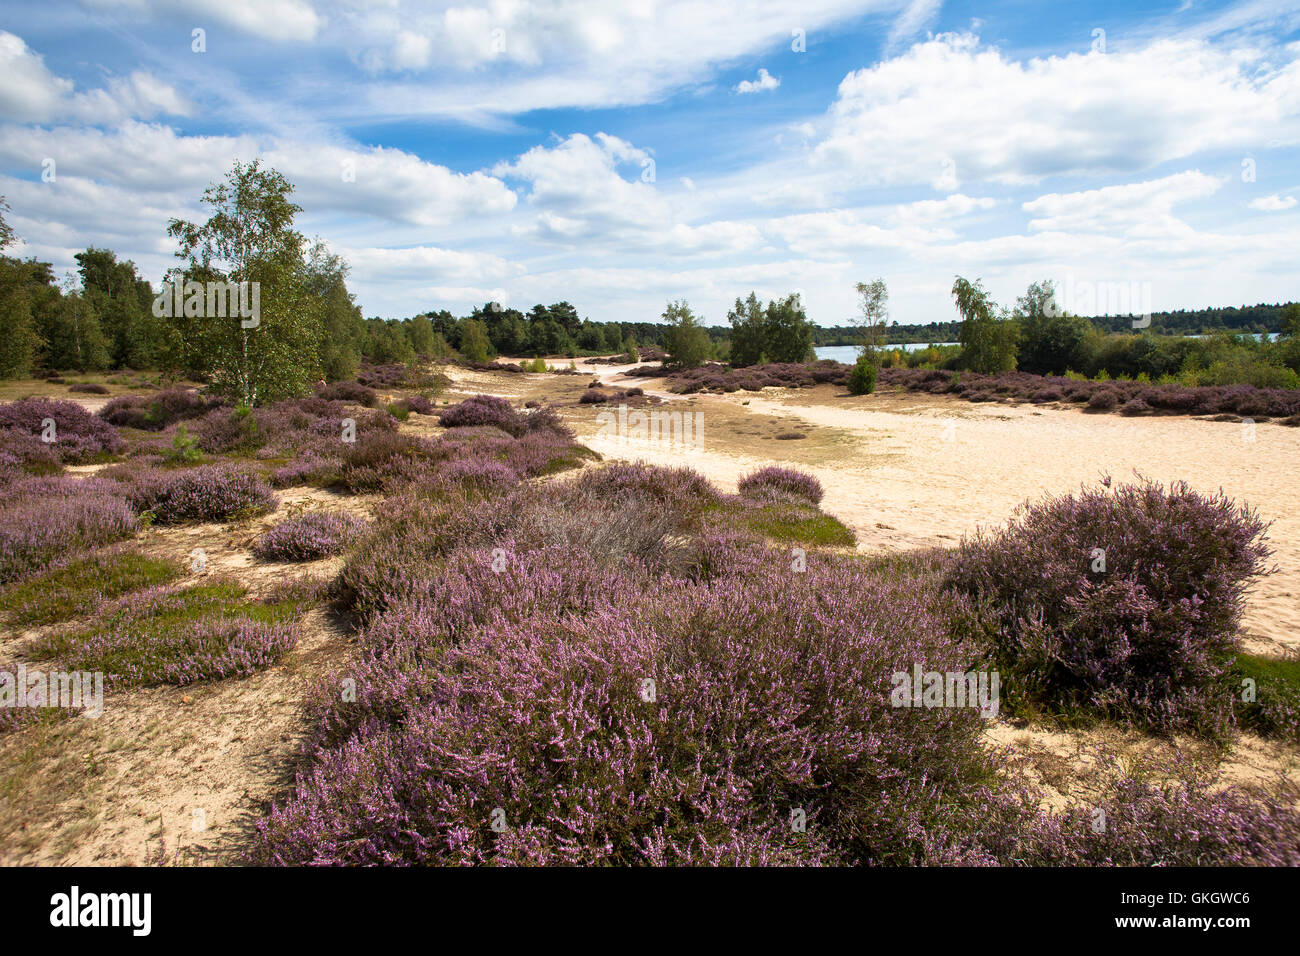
848,354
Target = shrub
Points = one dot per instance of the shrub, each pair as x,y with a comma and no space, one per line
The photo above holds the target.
309,537
206,493
862,380
1103,400
771,695
76,436
378,460
36,531
484,410
353,392
89,388
73,586
157,412
1124,603
621,481
784,482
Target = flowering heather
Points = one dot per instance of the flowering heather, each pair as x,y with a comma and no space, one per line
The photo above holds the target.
206,493
379,459
484,410
78,436
73,585
160,635
308,469
352,392
620,480
781,482
478,475
156,412
1122,601
770,695
35,531
309,537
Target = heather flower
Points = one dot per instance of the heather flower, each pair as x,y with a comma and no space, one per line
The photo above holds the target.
309,537
787,482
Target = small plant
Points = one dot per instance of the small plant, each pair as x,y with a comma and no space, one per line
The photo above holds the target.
862,380
782,482
184,449
309,537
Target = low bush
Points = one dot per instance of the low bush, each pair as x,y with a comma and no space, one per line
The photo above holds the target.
72,434
309,537
781,482
1122,602
36,531
484,410
206,493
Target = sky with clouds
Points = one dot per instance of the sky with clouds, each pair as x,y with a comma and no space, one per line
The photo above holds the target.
617,154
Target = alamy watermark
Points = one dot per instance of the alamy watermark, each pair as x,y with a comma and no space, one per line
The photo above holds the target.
70,690
947,689
1090,297
211,300
674,427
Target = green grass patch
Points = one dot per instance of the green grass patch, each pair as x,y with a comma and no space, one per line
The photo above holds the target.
788,524
204,632
1275,711
73,590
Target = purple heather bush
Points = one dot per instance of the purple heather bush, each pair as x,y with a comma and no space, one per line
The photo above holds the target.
309,537
770,695
351,392
156,412
484,410
781,483
622,707
206,493
36,530
78,436
1123,602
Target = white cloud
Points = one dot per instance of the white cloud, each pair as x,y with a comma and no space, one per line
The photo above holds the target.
270,19
1141,209
1273,203
765,81
29,92
1003,120
916,16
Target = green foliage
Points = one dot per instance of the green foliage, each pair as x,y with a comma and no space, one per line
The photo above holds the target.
20,343
1051,340
250,238
988,342
185,448
747,332
862,379
475,345
787,333
71,590
685,341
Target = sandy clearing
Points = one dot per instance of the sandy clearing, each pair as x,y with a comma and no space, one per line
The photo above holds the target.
908,470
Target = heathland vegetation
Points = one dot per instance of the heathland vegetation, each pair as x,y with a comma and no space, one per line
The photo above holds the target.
552,659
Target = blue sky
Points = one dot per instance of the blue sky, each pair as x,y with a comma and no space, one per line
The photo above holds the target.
620,154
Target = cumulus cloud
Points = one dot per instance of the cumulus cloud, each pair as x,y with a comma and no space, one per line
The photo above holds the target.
1273,203
952,104
765,81
29,92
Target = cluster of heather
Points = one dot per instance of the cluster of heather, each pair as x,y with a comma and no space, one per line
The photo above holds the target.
160,635
309,537
484,410
595,395
1126,397
539,683
45,519
777,482
206,493
69,433
156,412
351,392
1120,601
712,377
88,388
724,705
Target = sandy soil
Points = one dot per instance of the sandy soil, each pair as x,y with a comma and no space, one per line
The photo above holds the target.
908,470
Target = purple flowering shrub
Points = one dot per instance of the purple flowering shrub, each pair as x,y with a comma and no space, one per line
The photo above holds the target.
206,493
156,412
160,635
775,481
352,392
1124,602
380,459
681,486
309,537
49,522
484,410
770,695
76,436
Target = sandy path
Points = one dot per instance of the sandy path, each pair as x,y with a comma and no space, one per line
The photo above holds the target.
910,470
